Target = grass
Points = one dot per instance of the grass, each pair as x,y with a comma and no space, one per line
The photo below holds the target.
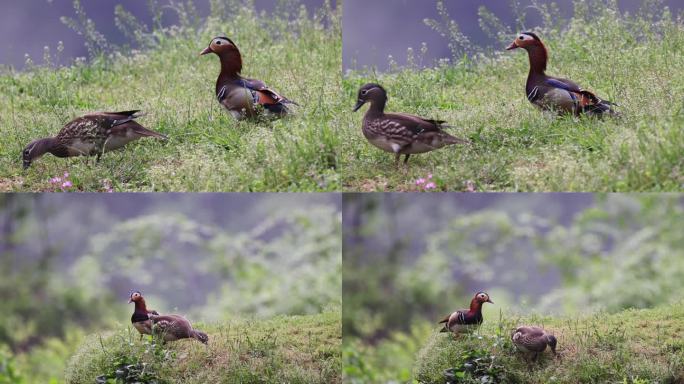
291,349
208,150
632,346
632,61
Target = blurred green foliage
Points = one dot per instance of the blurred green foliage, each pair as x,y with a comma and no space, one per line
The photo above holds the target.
411,259
70,261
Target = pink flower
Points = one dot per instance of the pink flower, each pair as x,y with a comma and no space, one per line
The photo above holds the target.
430,185
420,181
66,175
67,184
429,176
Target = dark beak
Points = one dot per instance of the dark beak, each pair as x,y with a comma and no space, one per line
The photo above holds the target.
359,104
490,301
205,51
27,164
512,46
130,301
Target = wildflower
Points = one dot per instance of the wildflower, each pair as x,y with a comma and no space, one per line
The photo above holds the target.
420,181
430,185
67,184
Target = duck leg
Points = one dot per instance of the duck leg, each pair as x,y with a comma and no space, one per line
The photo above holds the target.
406,158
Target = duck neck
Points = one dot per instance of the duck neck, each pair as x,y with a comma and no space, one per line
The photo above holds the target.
475,306
42,146
140,306
539,57
231,66
377,107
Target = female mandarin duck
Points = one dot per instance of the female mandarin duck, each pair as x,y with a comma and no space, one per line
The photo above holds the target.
399,133
243,97
90,135
533,340
554,93
464,320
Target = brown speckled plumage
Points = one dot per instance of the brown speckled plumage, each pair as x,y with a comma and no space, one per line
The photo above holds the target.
175,327
533,340
399,133
90,135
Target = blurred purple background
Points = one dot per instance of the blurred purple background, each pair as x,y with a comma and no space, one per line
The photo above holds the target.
29,25
374,29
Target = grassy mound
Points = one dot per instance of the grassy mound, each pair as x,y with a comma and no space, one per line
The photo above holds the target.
631,61
633,346
292,349
297,54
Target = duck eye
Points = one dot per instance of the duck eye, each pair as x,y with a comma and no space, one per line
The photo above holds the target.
365,91
218,42
521,37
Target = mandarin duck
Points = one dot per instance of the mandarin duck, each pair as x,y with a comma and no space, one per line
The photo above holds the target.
175,327
140,319
554,93
464,320
399,133
533,340
92,134
243,97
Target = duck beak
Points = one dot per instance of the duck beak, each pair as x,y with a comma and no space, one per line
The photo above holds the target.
130,301
490,301
27,164
205,51
512,46
359,104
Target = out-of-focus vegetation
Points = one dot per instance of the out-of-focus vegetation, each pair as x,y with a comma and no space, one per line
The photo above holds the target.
69,262
411,259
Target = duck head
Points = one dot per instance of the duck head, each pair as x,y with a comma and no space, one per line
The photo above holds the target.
35,149
536,50
551,340
135,297
227,51
525,40
373,93
482,297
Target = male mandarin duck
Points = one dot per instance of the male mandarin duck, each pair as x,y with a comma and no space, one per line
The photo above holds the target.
243,97
399,133
175,327
90,135
533,340
140,319
464,320
554,93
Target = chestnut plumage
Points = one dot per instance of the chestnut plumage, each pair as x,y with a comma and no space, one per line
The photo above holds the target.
464,320
555,93
243,97
399,133
90,135
140,318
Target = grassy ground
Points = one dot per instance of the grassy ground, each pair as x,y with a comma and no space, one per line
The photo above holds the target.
637,64
208,150
292,349
633,346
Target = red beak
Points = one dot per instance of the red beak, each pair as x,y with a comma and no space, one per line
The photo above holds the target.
512,46
205,51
